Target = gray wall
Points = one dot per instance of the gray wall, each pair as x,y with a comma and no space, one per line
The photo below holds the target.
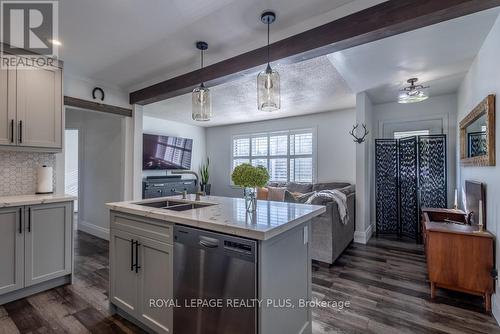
335,148
481,80
101,142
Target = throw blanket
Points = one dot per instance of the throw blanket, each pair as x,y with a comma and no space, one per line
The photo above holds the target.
339,197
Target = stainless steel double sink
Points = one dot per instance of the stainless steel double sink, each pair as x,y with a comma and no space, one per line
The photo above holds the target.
175,205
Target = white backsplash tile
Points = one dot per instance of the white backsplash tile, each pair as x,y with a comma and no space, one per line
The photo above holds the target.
18,171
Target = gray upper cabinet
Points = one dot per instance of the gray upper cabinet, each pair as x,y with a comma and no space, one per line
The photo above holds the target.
7,107
11,249
31,108
155,282
48,244
39,107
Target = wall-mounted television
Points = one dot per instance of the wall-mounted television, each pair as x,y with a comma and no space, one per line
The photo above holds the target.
166,152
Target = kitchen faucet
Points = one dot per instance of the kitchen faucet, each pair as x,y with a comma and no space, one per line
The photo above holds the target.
198,191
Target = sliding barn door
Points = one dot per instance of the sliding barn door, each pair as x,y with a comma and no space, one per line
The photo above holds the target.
386,183
408,186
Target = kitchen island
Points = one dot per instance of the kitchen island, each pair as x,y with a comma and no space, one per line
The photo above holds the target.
207,266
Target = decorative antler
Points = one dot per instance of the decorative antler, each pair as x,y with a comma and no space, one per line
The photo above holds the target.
357,139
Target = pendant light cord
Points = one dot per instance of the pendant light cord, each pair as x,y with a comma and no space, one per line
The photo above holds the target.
201,51
268,47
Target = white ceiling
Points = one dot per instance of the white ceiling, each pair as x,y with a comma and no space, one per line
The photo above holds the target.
439,55
130,44
307,87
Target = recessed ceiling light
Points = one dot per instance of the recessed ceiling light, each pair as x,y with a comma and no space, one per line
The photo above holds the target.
55,42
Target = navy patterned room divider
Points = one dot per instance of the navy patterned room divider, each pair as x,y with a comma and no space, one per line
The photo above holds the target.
410,173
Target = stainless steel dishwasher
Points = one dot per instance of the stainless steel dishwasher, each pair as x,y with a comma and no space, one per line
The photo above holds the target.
214,268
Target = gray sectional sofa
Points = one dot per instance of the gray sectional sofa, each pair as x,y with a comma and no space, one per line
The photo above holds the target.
330,236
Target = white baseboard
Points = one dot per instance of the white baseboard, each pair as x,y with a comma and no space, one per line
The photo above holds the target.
94,229
495,308
362,237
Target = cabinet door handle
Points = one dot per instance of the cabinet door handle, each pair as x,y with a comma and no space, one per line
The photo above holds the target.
132,254
20,132
20,221
12,131
137,266
29,220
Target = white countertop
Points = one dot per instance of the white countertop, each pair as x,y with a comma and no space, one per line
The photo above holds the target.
228,215
19,200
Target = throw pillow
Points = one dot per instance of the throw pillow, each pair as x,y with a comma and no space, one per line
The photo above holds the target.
296,197
262,193
276,194
289,197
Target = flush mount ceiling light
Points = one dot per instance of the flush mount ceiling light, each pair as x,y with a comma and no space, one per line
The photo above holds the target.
413,93
268,81
202,103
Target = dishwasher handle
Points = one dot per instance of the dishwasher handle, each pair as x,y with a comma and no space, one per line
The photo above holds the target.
208,242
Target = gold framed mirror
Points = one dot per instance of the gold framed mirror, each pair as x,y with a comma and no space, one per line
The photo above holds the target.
477,135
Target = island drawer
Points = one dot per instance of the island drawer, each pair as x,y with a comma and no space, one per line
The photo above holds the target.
146,227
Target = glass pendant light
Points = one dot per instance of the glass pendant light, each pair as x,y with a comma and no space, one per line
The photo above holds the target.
202,103
413,93
268,81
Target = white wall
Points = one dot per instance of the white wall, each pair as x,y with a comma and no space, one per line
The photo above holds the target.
82,88
364,226
102,152
438,114
335,148
171,128
481,80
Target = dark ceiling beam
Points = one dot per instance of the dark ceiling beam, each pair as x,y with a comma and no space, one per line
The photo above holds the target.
386,19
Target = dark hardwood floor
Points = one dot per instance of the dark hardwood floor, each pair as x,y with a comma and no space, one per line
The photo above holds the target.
386,285
384,282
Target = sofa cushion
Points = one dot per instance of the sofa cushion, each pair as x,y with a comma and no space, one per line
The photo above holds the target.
276,194
302,188
276,184
329,185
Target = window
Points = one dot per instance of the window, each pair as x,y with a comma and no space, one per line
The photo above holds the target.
287,155
403,134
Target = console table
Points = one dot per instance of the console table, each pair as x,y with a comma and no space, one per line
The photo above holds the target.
459,256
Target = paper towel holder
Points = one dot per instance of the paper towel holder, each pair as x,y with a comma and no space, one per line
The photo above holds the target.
44,192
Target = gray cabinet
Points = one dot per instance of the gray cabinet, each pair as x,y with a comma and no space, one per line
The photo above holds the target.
141,269
123,278
31,108
35,247
48,232
39,107
11,249
7,106
155,282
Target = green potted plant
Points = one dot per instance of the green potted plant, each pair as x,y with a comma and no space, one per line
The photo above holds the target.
249,178
204,175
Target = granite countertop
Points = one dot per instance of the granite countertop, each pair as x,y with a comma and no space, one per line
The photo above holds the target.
228,215
9,201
